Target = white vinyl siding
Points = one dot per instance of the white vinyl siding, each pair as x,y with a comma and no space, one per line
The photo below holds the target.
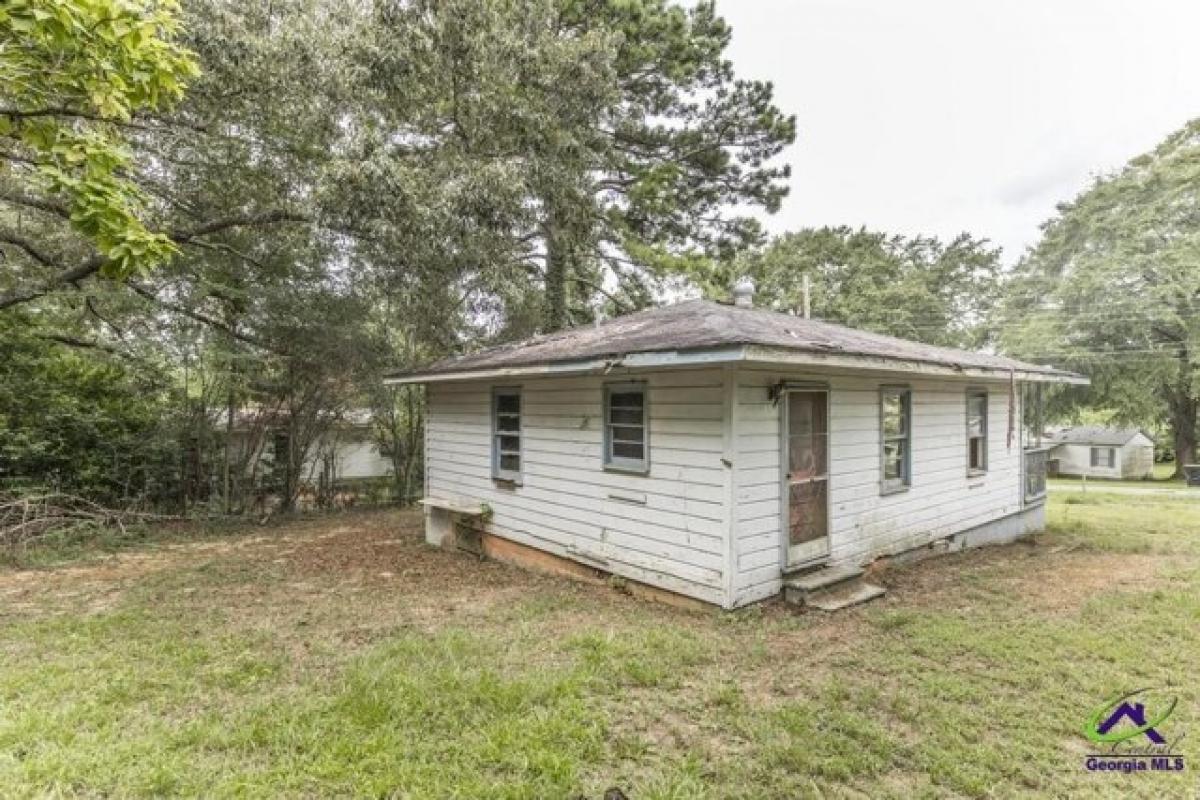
942,499
668,527
705,519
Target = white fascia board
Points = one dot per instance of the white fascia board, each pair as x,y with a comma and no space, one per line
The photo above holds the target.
663,360
725,355
773,355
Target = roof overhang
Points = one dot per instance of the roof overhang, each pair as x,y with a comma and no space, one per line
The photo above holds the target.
739,354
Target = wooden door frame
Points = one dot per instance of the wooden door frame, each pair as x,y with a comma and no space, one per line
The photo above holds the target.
786,389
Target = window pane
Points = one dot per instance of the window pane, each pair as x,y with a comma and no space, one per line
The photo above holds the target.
893,460
508,402
626,399
626,415
627,433
891,468
508,422
510,463
510,444
628,450
975,454
894,423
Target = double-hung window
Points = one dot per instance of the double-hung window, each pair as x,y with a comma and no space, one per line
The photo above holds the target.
895,423
1104,457
506,434
976,432
626,435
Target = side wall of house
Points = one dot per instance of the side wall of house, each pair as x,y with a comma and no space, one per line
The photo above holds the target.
1076,460
1137,458
941,501
359,457
669,528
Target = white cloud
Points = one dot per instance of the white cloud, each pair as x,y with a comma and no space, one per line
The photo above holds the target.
939,116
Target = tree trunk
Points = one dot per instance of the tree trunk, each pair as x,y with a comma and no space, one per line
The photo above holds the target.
1184,428
230,410
556,279
1183,409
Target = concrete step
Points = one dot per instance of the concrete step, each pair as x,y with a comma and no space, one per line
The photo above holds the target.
821,578
830,588
844,595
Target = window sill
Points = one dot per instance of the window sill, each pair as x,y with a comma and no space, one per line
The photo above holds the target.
627,470
509,482
886,490
976,473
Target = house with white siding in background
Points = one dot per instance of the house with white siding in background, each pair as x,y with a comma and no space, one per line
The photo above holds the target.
1098,452
727,453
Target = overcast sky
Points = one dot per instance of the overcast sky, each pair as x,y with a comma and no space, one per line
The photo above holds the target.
942,116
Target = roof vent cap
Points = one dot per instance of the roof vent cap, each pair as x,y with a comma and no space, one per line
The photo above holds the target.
743,293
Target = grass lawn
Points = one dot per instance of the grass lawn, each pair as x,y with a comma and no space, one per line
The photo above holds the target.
341,657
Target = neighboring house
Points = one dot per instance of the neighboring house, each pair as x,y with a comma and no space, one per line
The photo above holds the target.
712,449
347,451
1102,452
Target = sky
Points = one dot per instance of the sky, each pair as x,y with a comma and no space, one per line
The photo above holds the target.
944,116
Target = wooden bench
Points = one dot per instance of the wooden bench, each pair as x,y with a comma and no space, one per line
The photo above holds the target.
453,523
453,507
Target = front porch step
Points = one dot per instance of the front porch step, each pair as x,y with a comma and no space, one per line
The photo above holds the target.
830,588
844,595
820,578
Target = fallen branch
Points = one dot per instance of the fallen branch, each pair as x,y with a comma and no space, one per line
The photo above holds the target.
25,519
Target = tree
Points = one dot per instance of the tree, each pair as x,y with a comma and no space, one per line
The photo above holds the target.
609,140
1112,290
914,287
73,75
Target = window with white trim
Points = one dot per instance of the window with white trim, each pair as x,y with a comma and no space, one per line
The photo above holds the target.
506,434
626,440
976,431
1104,457
895,428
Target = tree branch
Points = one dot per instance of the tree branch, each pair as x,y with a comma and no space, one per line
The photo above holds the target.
97,261
198,316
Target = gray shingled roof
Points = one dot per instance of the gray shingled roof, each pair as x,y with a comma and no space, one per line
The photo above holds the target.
705,325
1093,434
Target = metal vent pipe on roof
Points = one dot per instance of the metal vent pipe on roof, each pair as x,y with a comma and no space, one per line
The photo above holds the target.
743,293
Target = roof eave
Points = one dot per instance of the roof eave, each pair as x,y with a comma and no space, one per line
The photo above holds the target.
663,359
724,355
776,355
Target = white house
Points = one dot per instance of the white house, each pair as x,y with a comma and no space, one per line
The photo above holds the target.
716,450
1099,452
345,450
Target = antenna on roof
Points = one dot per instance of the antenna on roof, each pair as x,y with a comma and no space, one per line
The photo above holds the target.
743,293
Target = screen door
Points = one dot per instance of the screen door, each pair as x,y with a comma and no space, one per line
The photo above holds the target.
806,478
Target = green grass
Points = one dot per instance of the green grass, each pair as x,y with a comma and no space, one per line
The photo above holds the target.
280,663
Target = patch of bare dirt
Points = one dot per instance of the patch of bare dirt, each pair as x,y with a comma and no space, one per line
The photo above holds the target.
1048,578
